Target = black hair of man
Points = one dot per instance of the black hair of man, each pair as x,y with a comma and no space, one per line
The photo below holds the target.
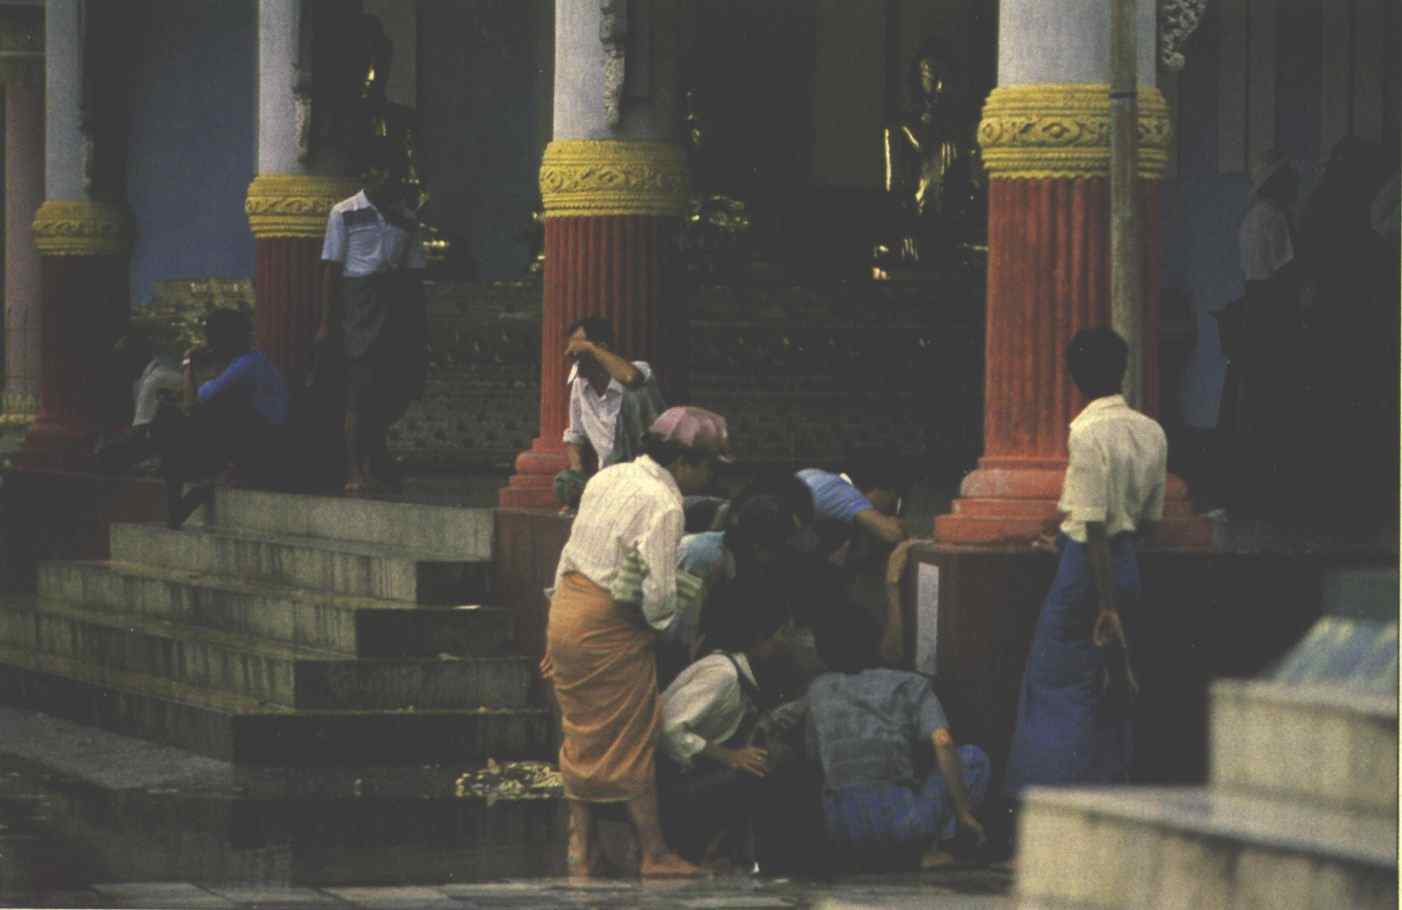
875,468
1097,359
785,486
228,333
596,328
848,639
760,521
748,614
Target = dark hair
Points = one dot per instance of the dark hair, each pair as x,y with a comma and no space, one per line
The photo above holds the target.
746,612
783,485
664,452
847,638
873,468
596,328
760,521
228,332
1097,359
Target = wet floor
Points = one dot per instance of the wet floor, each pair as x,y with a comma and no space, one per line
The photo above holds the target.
92,819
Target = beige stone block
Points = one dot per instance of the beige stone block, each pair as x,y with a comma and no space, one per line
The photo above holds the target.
1194,873
1047,837
1267,880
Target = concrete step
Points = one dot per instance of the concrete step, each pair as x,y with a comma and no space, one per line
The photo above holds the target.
1351,648
358,626
1195,848
241,729
449,532
359,569
1326,745
272,672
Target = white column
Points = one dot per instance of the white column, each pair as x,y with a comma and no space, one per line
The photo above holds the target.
63,97
1043,41
278,23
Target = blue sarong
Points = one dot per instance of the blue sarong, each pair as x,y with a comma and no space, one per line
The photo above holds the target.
887,815
1064,735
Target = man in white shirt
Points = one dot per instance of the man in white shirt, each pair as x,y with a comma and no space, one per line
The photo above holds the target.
371,293
612,403
1072,724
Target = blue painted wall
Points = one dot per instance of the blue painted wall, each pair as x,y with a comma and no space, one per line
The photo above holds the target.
191,139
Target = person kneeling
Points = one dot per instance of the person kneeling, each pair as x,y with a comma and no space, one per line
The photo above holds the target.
234,420
870,730
711,769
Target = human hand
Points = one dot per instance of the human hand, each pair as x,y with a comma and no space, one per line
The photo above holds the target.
578,348
1107,628
750,759
547,668
899,559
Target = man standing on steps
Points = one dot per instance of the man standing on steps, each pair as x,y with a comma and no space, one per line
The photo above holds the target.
372,294
612,403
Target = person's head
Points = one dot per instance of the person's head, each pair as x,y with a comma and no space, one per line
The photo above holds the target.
750,621
598,331
848,639
688,441
1096,359
131,354
386,185
228,333
758,529
878,475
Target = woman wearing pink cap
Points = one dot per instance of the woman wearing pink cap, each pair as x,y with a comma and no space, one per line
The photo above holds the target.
616,587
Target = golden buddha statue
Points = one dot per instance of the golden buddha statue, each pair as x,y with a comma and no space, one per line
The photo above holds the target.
933,175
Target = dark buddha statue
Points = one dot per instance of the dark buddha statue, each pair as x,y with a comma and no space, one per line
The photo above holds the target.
936,213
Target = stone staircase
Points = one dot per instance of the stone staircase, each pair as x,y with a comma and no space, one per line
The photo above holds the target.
1301,806
321,694
289,630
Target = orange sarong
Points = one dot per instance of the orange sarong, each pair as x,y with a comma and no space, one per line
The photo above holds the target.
606,683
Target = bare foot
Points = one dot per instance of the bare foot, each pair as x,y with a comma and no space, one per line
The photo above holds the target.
580,871
669,865
936,858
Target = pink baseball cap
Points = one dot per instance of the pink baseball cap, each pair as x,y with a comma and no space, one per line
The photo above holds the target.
694,428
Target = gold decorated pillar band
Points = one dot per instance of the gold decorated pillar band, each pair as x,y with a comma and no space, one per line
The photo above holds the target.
580,177
79,227
1063,131
294,205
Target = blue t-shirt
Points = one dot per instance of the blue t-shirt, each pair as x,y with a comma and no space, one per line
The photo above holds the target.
834,499
255,375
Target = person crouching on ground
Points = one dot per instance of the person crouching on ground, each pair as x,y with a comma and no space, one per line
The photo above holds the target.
372,294
871,729
237,419
612,403
710,764
616,586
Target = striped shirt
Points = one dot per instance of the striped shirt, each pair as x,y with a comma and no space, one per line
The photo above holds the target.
630,522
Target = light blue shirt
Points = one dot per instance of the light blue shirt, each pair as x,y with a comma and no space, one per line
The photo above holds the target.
834,498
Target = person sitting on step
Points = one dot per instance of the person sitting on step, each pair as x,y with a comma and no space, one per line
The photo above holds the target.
233,423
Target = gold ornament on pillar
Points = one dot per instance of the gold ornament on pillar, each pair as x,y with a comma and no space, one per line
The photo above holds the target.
293,205
77,227
580,177
1063,131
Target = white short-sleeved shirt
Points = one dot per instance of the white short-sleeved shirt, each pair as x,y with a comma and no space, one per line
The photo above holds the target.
594,417
1266,244
364,243
704,706
1118,462
636,504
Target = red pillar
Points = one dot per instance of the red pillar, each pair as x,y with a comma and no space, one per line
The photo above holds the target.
1048,278
83,303
608,244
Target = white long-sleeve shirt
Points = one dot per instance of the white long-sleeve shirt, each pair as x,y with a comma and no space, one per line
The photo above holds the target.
703,706
634,505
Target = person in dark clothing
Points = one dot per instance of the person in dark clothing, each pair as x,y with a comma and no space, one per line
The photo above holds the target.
235,420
